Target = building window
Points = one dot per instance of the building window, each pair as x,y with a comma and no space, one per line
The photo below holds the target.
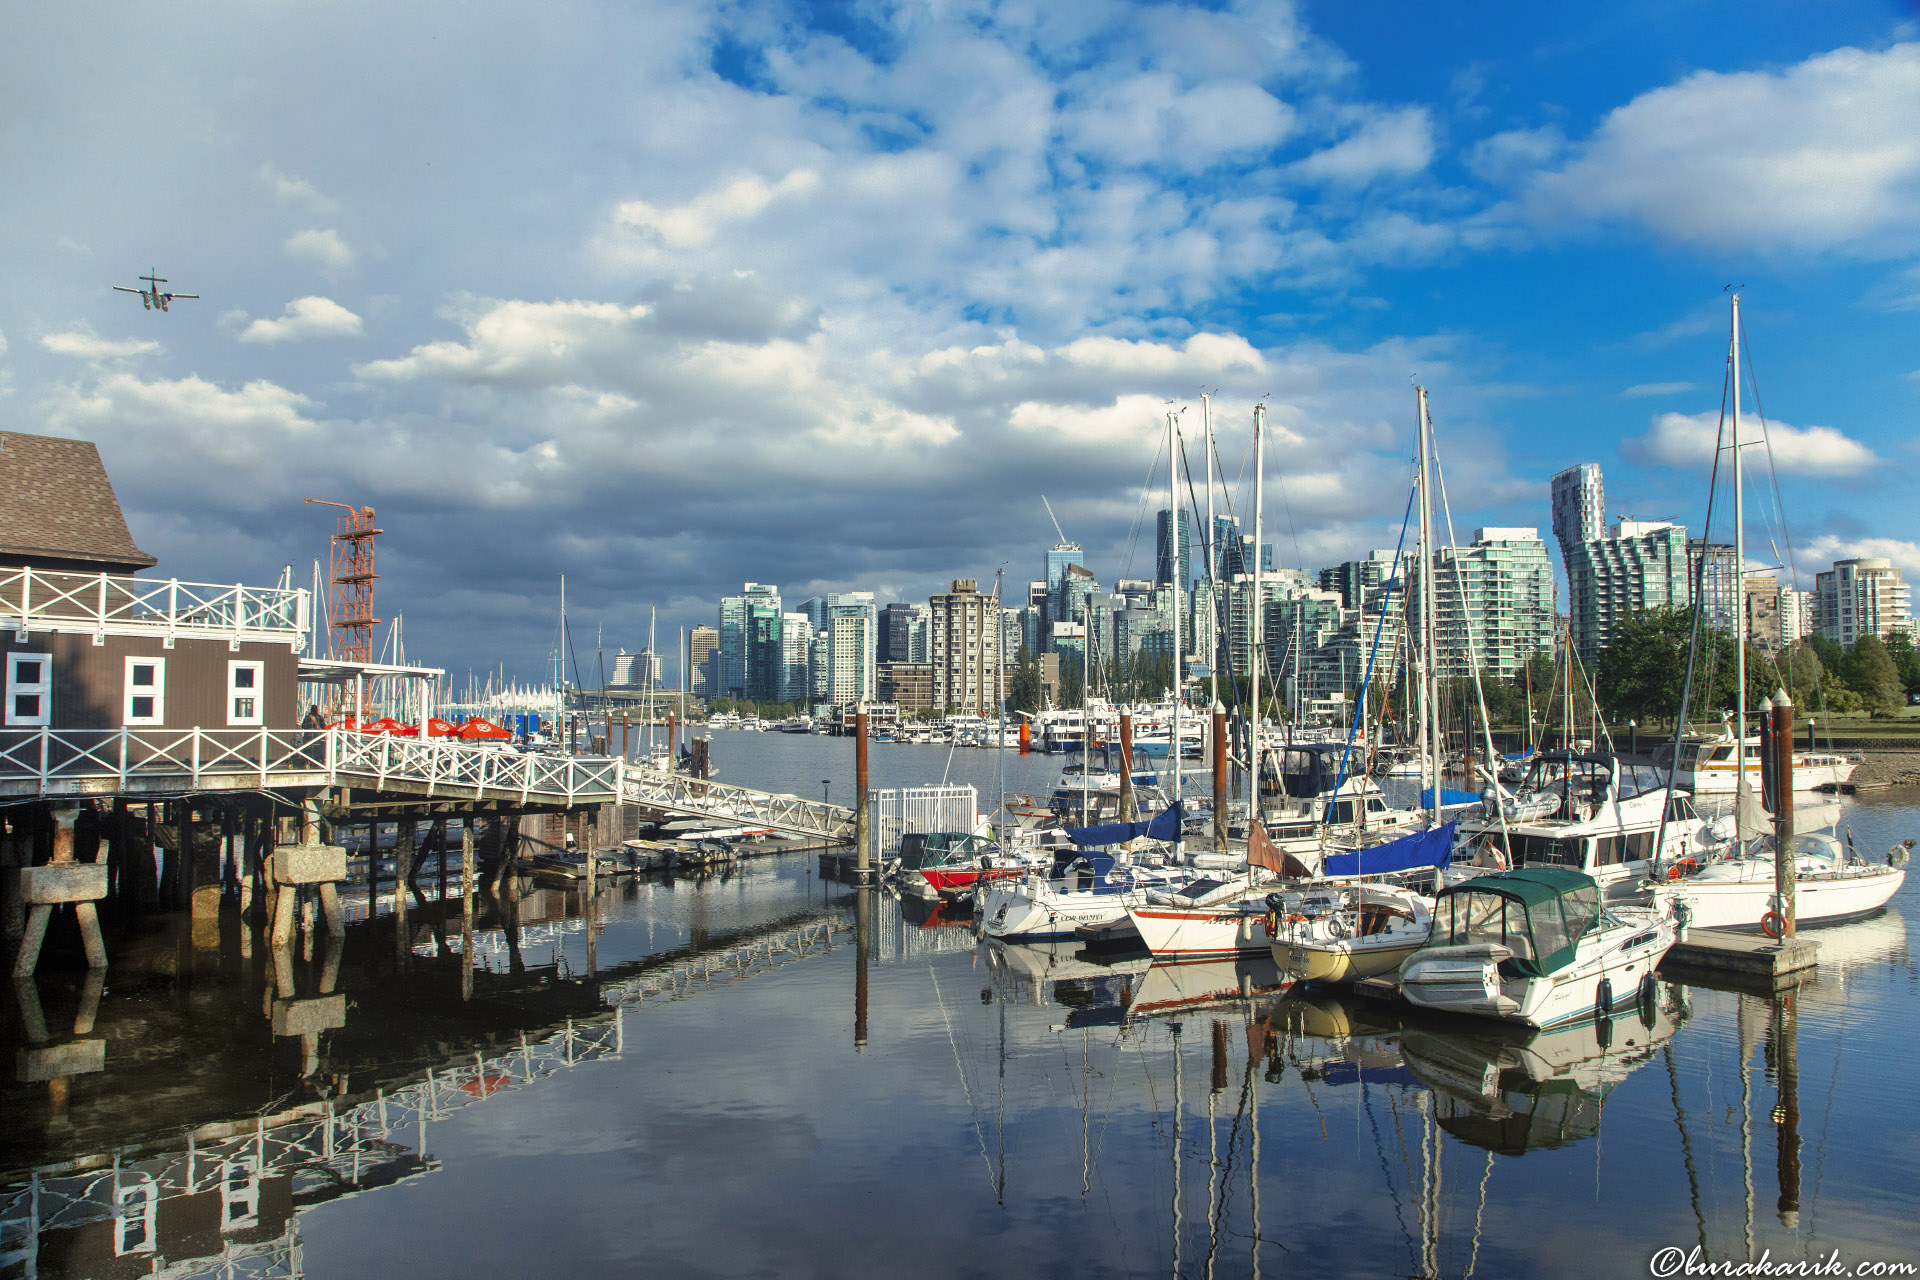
244,694
146,700
29,688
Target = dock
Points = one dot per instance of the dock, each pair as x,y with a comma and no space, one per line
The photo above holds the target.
1745,958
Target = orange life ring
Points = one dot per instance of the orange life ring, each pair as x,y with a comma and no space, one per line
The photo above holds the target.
1681,868
1773,924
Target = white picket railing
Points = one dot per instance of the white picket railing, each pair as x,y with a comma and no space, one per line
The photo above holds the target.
941,807
116,604
54,762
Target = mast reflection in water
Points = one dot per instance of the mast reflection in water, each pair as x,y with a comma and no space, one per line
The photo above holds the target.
661,1081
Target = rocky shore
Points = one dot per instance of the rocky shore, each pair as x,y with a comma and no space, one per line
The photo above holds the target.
1896,768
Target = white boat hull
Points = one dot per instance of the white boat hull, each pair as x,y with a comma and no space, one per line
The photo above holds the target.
1609,970
1818,898
1019,909
1233,928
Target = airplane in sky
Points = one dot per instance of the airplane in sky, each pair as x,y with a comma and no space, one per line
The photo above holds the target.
151,297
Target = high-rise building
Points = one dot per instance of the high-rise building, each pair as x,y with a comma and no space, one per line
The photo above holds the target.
815,607
702,643
1642,565
1062,555
1763,612
1579,509
853,624
1360,582
734,639
1494,602
766,655
1864,597
796,657
1164,569
903,633
1796,614
1713,581
964,649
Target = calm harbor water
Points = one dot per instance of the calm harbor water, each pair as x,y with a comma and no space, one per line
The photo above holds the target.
718,1079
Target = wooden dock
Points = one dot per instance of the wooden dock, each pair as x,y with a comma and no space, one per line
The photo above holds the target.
1748,959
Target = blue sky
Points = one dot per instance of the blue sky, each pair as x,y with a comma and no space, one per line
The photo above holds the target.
668,297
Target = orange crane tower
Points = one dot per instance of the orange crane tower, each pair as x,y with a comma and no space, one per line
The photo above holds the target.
353,577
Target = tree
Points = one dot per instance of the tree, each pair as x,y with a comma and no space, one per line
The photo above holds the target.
1073,686
1024,691
1643,669
1906,660
1872,675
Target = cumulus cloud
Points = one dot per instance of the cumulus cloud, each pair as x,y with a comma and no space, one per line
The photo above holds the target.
1387,144
320,248
700,219
1822,155
1688,440
84,344
309,317
296,193
1827,548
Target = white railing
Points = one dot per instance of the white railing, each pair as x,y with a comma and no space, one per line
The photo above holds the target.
942,807
114,604
446,768
677,793
102,761
51,762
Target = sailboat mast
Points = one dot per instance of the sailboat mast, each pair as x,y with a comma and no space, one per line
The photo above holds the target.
1740,570
1179,589
1429,718
1259,613
1213,562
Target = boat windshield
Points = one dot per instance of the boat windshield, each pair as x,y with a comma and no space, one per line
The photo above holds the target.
1540,929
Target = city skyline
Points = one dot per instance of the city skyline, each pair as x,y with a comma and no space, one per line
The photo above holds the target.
669,297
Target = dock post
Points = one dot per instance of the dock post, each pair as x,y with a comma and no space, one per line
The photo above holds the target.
863,855
862,928
63,881
1783,809
1786,1064
406,832
1221,766
466,910
1126,770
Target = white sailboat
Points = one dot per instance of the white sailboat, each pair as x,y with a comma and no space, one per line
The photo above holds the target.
1742,889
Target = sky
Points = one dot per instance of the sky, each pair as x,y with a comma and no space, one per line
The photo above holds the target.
670,297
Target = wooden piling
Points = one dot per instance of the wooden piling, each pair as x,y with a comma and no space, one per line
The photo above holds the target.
861,817
466,910
1783,809
1126,770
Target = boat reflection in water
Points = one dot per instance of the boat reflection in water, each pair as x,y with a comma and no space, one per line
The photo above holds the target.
1213,984
1509,1091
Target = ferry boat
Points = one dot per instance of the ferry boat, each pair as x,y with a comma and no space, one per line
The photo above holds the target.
1538,946
1706,765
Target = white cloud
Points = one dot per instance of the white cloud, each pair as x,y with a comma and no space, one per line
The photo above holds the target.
1152,118
309,317
1688,440
3,344
1389,143
322,248
1822,155
1817,555
84,344
700,219
296,192
1516,153
1642,390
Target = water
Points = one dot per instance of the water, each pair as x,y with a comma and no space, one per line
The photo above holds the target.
696,1088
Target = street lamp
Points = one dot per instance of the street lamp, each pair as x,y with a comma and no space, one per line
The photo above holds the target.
1633,737
826,786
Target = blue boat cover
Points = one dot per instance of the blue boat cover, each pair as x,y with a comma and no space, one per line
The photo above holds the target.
1448,796
1433,848
1165,826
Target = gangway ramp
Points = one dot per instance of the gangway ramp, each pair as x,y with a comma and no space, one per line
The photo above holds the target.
701,798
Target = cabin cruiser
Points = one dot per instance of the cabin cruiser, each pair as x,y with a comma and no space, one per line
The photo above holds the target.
1538,946
1302,790
1707,766
1585,811
1082,887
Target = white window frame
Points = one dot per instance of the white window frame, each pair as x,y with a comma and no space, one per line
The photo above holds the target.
43,687
258,693
158,691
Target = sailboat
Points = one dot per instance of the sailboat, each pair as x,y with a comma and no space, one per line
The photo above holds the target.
1742,889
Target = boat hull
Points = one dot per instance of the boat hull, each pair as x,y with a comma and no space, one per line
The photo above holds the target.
1342,962
1227,930
1017,911
1739,905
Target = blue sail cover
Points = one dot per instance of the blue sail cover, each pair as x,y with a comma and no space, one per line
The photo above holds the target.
1432,848
1165,826
1448,796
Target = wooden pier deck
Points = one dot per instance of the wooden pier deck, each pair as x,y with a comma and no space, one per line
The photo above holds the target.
1743,957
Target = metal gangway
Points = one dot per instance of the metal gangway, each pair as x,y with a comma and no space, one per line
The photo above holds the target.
701,798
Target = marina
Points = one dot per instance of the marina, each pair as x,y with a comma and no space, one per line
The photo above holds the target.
605,1055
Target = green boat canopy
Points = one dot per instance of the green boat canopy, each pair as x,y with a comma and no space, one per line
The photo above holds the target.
1537,913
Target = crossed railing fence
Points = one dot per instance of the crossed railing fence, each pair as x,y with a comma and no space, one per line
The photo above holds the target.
39,600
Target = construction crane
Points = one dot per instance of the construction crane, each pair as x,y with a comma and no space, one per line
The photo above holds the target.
353,578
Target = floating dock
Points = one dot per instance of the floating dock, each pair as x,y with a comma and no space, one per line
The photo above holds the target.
1747,958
